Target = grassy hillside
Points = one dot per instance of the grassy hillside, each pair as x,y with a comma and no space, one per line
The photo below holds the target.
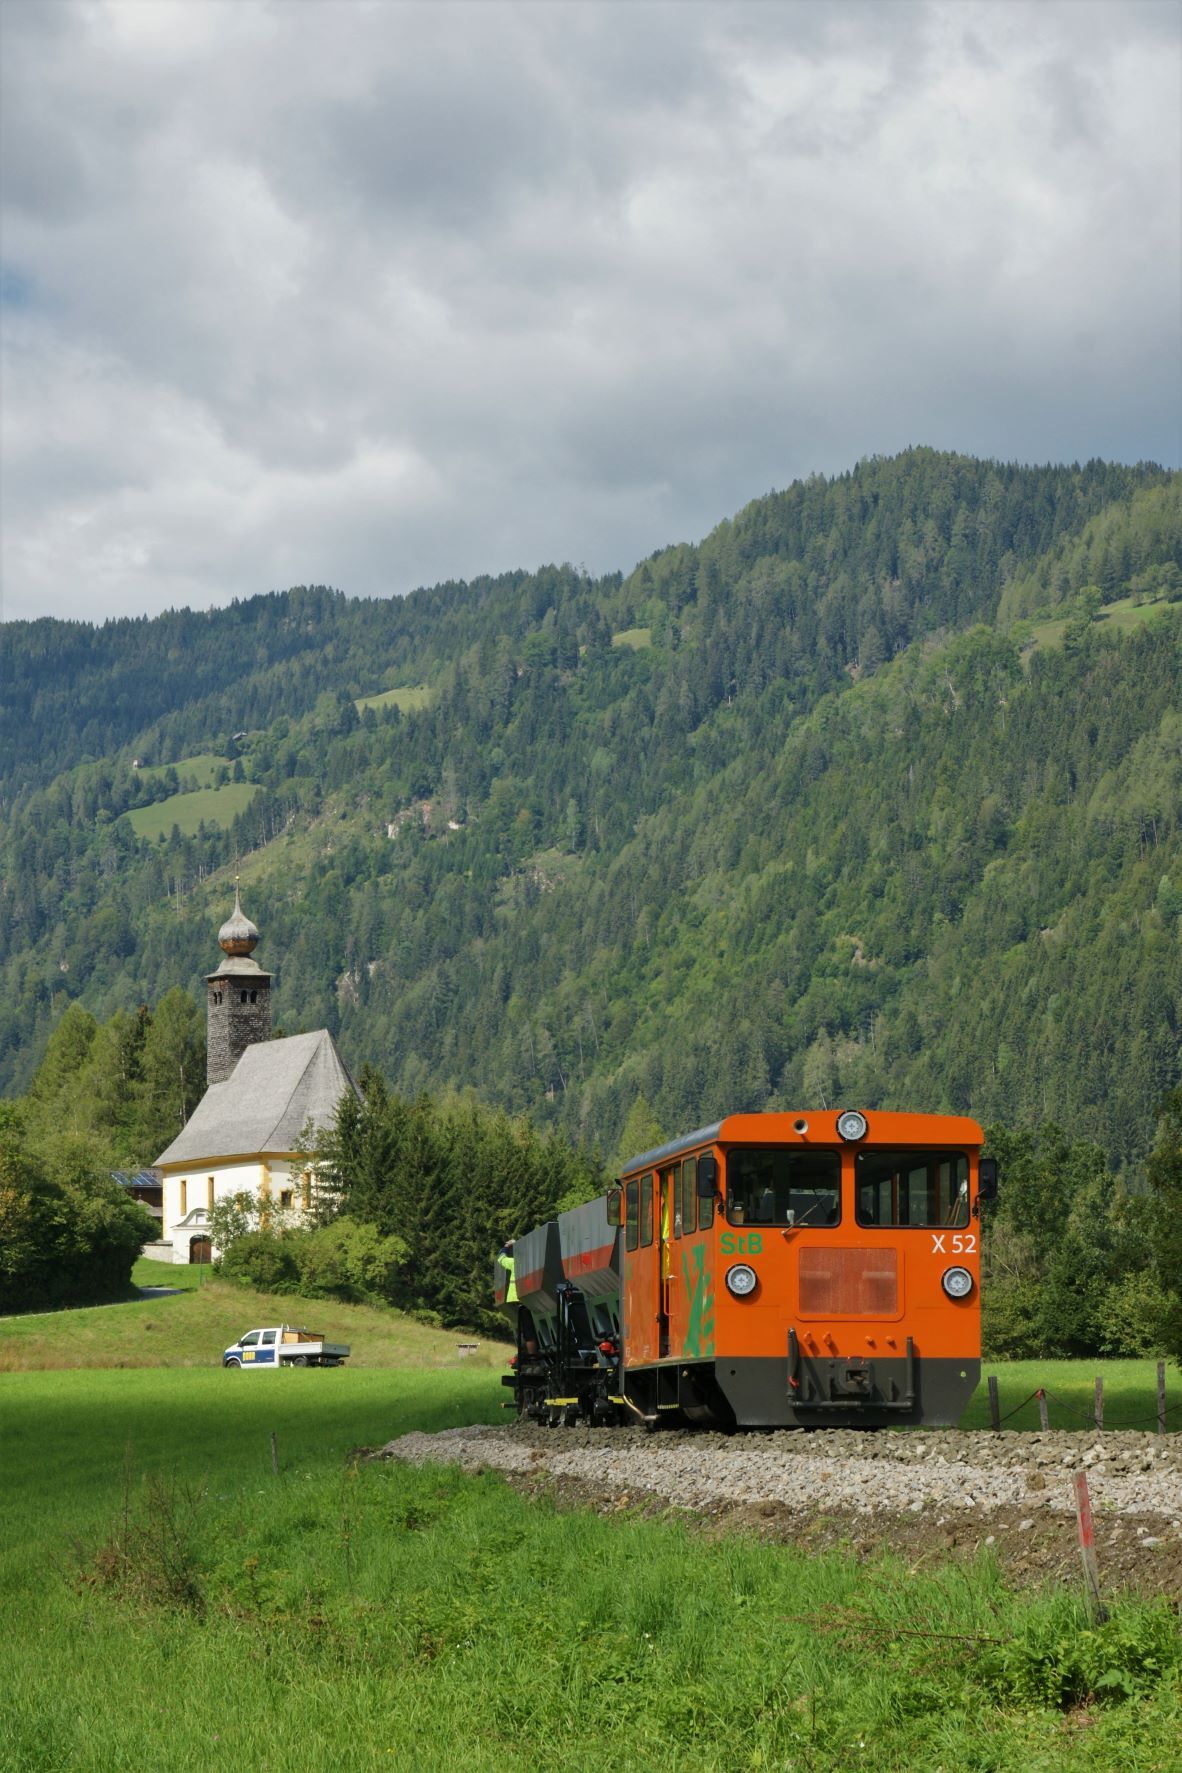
193,1327
407,699
1123,615
200,771
147,1272
210,806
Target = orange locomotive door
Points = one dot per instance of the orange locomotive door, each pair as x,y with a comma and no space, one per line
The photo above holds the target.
679,1261
642,1274
667,1274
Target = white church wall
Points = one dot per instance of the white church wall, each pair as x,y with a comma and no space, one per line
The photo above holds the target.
189,1195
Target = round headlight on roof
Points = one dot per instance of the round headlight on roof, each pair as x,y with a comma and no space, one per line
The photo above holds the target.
851,1125
741,1280
957,1282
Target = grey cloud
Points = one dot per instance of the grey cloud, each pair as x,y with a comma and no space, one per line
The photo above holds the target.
379,295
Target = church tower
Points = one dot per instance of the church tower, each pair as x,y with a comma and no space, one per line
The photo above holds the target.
238,1001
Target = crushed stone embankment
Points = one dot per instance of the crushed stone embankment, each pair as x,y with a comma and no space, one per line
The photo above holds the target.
921,1493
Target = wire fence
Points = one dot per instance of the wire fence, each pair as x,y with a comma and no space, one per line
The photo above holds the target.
1087,1417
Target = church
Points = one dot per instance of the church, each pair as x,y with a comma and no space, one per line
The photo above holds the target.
263,1095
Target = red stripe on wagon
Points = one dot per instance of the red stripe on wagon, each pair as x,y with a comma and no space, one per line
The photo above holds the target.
582,1261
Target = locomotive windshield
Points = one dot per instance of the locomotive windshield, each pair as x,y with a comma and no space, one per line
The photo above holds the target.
922,1188
773,1185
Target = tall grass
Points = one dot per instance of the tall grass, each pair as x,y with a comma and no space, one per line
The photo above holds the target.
176,1605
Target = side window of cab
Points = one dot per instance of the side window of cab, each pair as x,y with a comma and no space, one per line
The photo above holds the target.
632,1215
250,1339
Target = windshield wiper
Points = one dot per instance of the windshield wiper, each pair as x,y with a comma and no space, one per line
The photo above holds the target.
805,1215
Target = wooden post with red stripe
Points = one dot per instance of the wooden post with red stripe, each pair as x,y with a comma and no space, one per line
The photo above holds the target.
1087,1549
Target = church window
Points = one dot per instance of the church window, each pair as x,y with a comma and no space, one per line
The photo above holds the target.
184,1196
244,997
286,1197
254,997
209,1193
306,1189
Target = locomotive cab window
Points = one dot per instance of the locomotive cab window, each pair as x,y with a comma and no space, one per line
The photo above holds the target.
704,1203
689,1195
773,1185
646,1210
632,1215
923,1188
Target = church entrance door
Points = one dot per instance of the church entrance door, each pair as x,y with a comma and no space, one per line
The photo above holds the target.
200,1249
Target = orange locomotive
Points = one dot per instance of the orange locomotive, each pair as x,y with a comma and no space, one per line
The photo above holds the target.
772,1270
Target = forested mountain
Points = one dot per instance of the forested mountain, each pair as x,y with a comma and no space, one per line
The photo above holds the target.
871,796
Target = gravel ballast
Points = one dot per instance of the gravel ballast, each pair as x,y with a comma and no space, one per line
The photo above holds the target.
923,1496
1128,1473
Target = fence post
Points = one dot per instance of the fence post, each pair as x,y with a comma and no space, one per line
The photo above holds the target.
1087,1549
1099,1400
1044,1420
994,1403
1161,1397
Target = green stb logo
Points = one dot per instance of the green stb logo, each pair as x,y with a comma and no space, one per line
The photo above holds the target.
749,1243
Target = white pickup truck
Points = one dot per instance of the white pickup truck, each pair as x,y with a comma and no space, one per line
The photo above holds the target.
284,1346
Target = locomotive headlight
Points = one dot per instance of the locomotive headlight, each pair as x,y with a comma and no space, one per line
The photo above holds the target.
851,1125
741,1280
957,1282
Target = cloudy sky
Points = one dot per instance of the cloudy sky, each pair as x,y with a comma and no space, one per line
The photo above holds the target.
376,294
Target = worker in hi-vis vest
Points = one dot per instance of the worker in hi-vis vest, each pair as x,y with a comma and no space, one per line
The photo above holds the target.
505,1258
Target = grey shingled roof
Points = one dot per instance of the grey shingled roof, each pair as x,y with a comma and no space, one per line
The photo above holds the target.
276,1087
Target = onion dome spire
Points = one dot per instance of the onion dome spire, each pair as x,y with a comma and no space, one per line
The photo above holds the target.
238,935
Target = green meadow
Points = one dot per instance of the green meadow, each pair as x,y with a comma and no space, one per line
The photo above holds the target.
147,1272
200,769
1123,616
214,806
1130,1394
167,1600
409,698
